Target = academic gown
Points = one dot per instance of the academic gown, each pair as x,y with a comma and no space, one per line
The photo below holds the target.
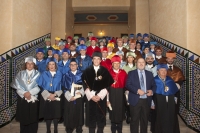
84,63
63,68
93,111
161,60
153,69
117,97
127,68
41,65
73,110
106,63
123,49
50,109
138,54
91,50
74,56
143,45
27,113
166,117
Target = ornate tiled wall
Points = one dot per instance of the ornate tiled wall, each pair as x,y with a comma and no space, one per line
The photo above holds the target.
10,64
189,62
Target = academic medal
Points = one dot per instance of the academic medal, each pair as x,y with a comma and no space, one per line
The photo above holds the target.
166,88
100,77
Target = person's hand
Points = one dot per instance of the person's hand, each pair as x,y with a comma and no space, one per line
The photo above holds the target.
72,99
78,93
27,95
51,97
149,92
94,99
98,98
152,107
108,103
141,92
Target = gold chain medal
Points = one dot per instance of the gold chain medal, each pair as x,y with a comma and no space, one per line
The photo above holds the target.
81,64
100,77
50,84
28,81
166,88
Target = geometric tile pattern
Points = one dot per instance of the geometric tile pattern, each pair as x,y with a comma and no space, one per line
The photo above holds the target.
189,62
10,64
4,84
194,87
15,51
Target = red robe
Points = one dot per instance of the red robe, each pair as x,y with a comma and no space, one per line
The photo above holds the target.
90,50
119,78
107,64
67,45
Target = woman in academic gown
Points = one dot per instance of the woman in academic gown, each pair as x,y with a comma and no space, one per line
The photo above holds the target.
27,90
50,104
166,116
116,95
73,102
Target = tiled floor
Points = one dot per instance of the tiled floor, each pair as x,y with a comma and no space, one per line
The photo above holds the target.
13,127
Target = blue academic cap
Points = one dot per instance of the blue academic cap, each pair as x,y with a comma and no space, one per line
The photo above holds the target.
159,66
81,39
82,46
56,52
73,60
153,43
40,50
66,50
139,34
131,35
145,35
50,60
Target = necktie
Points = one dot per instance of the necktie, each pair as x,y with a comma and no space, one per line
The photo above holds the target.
142,85
170,68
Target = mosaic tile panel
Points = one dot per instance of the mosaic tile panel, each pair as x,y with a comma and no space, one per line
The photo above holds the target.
194,87
10,64
4,84
15,51
189,62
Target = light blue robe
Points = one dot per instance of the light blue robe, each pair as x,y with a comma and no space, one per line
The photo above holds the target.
20,83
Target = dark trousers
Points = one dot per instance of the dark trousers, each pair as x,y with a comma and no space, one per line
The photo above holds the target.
99,130
153,120
48,124
139,115
78,130
178,101
31,128
116,127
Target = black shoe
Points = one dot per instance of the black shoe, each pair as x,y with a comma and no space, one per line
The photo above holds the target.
128,120
61,120
41,120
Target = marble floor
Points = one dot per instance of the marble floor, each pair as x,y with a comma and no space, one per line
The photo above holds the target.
13,127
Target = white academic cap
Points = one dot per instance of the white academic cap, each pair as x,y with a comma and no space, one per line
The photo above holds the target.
30,59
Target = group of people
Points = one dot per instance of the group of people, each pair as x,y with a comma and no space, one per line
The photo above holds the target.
80,81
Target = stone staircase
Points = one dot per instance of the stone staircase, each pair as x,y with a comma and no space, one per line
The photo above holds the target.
13,127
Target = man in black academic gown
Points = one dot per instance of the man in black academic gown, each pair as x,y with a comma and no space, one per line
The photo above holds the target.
166,116
96,80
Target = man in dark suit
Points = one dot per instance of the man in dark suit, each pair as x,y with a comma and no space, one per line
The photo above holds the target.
141,86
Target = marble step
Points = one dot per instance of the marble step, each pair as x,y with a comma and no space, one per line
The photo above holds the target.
13,127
